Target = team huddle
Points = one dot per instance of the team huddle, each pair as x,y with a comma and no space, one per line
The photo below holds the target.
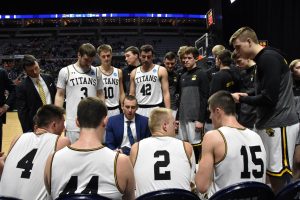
126,136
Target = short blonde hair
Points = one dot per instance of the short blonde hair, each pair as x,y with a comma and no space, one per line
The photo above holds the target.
217,49
157,117
293,63
180,52
242,34
104,47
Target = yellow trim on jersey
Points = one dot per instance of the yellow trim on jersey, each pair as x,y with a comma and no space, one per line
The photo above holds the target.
279,174
55,146
115,173
50,172
225,153
284,146
85,150
13,145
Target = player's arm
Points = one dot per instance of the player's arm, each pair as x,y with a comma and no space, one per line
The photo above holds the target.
133,152
163,75
125,177
59,97
204,175
47,174
2,159
100,86
62,142
132,83
122,93
191,156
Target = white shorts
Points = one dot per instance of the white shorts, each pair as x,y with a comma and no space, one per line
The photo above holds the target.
145,111
280,146
113,112
188,133
72,135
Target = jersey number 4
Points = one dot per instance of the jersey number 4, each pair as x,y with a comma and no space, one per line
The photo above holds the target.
163,163
27,164
71,187
255,160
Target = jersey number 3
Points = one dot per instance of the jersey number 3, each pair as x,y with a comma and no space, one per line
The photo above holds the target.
163,163
27,164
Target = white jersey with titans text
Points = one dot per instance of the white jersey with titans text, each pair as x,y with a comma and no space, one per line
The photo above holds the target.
23,174
162,163
77,85
111,88
85,171
148,89
244,159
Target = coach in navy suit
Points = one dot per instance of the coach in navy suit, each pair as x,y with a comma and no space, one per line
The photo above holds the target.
28,98
127,128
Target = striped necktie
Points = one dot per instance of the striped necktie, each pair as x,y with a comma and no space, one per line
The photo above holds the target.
129,133
41,92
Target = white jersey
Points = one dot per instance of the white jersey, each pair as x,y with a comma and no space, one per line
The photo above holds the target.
165,163
80,171
77,85
111,85
245,159
23,174
148,89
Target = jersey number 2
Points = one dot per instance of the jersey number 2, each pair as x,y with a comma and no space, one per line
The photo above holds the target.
26,164
164,163
255,160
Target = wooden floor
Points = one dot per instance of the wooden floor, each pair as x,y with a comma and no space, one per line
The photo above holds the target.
11,129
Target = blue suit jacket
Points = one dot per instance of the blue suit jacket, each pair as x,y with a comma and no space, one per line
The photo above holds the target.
115,130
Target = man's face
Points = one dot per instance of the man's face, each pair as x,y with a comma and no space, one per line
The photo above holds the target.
59,126
242,48
131,58
85,61
146,58
189,61
33,71
129,108
242,63
105,57
170,64
296,70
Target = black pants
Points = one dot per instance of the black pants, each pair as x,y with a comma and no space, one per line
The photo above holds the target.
1,136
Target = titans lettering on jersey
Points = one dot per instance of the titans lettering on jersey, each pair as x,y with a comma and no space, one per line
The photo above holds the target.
145,78
83,81
111,81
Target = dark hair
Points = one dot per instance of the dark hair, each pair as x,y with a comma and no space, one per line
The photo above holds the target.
28,61
192,50
147,48
170,55
87,49
47,114
225,57
222,99
133,49
90,112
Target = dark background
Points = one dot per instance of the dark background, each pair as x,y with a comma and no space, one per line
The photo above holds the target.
276,21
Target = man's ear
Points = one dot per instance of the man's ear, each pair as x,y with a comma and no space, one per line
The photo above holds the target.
77,123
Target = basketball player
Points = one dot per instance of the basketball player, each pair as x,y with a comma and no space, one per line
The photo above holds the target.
76,82
231,153
112,80
87,166
24,166
149,83
167,161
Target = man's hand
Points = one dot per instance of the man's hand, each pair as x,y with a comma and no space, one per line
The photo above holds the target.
3,109
236,96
